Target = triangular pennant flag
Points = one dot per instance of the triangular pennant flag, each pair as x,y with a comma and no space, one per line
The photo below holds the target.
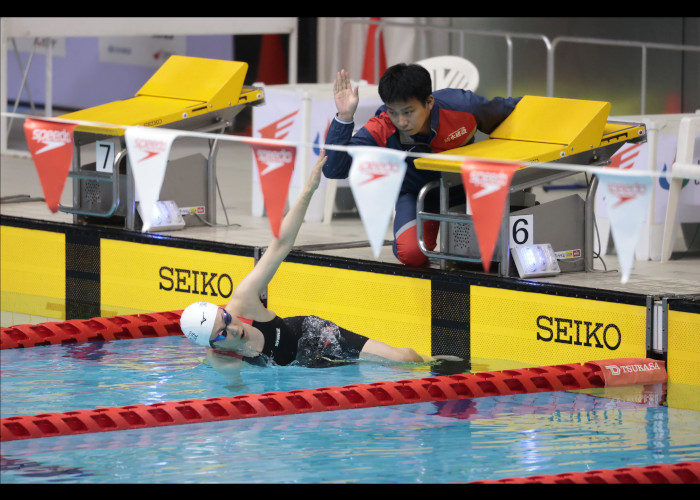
275,168
627,198
375,179
148,150
486,184
51,146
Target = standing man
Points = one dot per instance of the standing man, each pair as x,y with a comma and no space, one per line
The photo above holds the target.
412,119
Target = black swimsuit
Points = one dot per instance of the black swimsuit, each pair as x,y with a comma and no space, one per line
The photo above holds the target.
308,340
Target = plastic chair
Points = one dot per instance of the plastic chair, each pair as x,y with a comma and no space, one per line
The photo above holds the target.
684,163
451,72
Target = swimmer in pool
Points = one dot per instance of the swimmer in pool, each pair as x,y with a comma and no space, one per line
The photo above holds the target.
245,331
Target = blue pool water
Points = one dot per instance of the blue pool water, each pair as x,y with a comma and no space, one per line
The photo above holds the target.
440,442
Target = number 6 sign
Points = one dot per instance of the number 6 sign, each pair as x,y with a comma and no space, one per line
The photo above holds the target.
521,230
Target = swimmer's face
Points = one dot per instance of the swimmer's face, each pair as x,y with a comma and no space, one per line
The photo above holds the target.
229,334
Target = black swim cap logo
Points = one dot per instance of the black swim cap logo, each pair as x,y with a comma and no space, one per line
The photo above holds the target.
204,318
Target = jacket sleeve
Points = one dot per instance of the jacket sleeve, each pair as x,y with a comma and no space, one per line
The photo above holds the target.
340,134
490,113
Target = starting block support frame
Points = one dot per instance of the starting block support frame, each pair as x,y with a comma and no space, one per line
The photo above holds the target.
445,218
123,192
539,130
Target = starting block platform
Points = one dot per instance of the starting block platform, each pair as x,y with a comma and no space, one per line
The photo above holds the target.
539,130
185,93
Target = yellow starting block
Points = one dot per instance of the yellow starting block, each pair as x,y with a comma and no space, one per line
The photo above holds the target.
185,93
178,95
547,129
539,130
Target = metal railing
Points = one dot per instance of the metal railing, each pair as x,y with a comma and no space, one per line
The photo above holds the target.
644,46
550,46
461,32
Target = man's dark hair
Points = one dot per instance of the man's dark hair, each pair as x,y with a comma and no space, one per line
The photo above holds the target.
403,82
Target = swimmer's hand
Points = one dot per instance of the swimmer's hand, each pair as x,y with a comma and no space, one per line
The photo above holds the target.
442,357
315,178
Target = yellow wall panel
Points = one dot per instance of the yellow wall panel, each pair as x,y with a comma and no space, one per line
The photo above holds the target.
684,347
547,329
138,278
33,272
391,309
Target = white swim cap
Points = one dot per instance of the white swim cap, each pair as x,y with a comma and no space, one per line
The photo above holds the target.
197,322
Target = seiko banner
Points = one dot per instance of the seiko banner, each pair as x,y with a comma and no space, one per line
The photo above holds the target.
139,278
545,329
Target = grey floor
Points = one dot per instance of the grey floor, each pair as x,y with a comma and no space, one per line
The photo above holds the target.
680,276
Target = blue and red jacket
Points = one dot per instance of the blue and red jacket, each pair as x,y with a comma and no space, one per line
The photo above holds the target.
454,119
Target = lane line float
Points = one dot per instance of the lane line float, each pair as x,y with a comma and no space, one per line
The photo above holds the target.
564,377
680,473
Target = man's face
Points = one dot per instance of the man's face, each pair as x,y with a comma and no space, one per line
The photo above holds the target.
412,116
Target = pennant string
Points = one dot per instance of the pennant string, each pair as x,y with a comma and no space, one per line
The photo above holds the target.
685,173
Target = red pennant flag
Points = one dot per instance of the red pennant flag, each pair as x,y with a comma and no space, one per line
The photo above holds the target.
486,184
275,167
51,146
368,68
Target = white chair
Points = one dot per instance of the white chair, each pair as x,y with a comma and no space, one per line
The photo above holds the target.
451,72
689,127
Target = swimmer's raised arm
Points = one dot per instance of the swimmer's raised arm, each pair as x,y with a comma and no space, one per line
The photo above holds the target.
246,297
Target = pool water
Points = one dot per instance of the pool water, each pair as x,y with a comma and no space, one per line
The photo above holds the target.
438,442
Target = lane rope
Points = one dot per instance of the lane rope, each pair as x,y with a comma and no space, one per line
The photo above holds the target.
137,326
680,473
563,377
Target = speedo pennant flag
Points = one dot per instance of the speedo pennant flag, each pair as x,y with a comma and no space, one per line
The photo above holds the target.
487,184
375,179
51,146
275,167
627,198
148,149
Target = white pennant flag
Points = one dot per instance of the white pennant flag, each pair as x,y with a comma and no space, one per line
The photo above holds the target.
375,179
627,198
148,149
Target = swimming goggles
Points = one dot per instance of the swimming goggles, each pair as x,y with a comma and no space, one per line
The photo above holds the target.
222,333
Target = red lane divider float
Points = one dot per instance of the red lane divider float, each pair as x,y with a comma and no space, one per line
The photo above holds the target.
440,388
680,473
91,330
